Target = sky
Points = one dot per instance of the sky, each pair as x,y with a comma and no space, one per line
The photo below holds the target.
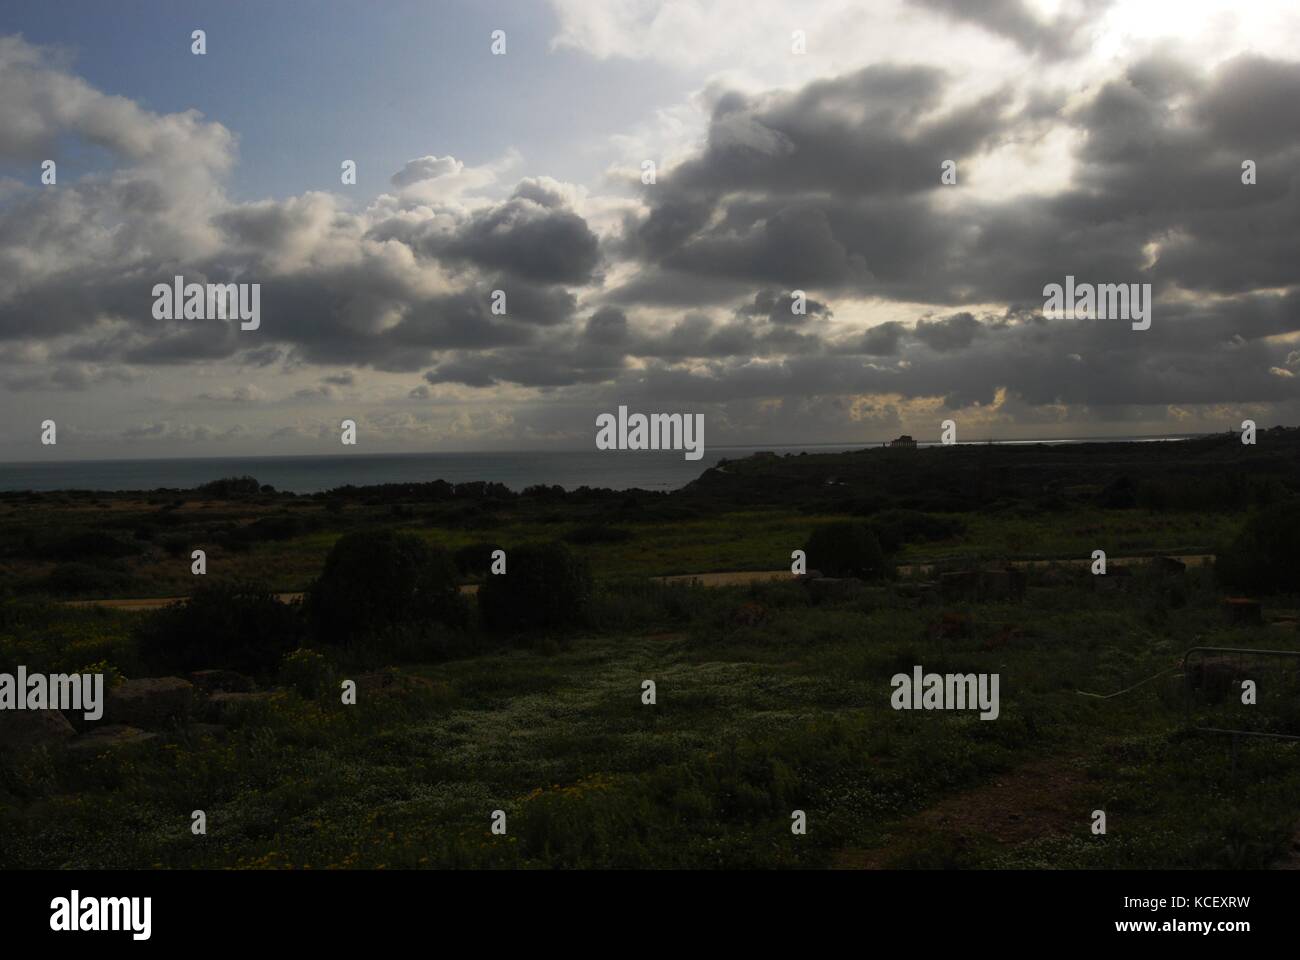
799,147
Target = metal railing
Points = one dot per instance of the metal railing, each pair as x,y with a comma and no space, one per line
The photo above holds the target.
1236,735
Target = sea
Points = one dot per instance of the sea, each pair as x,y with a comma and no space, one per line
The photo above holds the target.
617,470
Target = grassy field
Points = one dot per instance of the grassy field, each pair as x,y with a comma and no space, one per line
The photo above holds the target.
766,703
755,539
771,698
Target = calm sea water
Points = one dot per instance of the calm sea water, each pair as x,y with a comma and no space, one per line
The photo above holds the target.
647,469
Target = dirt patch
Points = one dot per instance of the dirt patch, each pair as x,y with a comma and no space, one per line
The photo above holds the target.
155,603
727,579
1040,799
663,637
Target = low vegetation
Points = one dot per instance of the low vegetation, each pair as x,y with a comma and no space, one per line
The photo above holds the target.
529,696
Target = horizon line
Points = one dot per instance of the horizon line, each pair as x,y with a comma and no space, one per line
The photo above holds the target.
865,444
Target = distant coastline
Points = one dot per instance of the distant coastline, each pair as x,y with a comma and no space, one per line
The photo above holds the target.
306,474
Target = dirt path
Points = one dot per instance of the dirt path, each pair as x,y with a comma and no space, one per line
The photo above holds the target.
1040,799
718,579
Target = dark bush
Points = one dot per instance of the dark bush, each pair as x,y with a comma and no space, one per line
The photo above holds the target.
541,491
1119,494
1265,555
545,585
846,548
228,488
474,559
91,545
269,528
375,581
223,625
68,579
894,528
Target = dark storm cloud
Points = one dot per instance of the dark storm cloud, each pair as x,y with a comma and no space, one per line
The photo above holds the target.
879,130
1093,363
951,333
696,335
590,351
1017,22
1253,103
1160,164
661,286
535,304
778,307
200,342
73,299
882,340
1203,354
596,351
528,240
607,326
825,186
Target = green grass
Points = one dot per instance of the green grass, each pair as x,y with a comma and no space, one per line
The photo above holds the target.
766,704
1076,533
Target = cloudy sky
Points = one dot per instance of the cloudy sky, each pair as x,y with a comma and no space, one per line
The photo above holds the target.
1098,139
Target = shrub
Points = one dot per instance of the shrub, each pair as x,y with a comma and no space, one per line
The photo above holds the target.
846,548
1119,494
228,488
416,642
1265,555
636,603
239,539
307,672
284,527
545,585
223,625
374,581
894,528
541,491
73,578
475,559
91,545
